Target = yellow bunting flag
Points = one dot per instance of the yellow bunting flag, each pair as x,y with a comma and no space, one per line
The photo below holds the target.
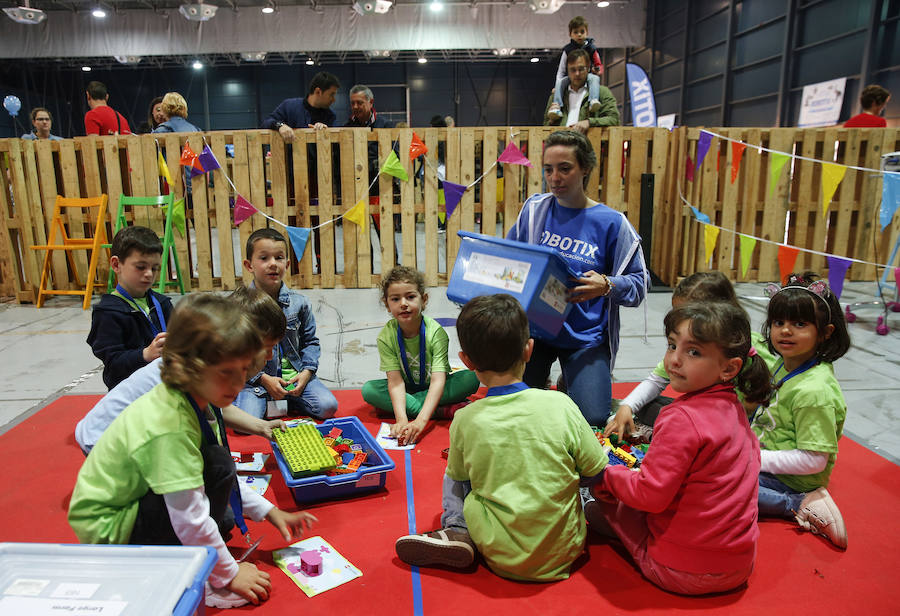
710,235
357,213
776,164
831,176
747,245
392,166
163,167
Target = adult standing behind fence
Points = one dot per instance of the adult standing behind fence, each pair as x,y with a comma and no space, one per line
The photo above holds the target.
42,122
601,244
174,107
576,109
102,119
312,111
873,100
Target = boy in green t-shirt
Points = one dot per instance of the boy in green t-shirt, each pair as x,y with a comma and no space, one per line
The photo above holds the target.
516,461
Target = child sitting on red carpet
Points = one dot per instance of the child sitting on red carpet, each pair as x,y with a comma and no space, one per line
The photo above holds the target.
689,517
159,476
516,459
799,432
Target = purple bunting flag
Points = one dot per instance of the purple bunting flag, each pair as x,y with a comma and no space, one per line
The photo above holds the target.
702,147
298,236
208,159
837,270
453,194
243,210
195,172
514,156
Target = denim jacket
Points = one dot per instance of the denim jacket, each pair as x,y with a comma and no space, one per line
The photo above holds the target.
300,344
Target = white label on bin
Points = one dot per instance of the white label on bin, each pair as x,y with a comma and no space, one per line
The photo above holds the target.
70,590
55,607
554,294
26,587
367,481
506,274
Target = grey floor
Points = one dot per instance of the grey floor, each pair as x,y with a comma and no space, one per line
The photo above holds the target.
45,354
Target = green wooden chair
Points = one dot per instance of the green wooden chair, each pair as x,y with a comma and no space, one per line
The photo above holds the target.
167,203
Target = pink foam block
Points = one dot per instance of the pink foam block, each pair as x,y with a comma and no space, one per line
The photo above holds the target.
311,563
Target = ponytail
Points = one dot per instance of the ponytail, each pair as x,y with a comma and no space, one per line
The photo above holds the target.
755,381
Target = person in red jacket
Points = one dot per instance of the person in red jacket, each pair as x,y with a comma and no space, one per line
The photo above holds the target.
102,119
689,517
874,99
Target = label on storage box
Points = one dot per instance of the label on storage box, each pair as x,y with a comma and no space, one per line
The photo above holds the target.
34,606
554,294
498,272
372,479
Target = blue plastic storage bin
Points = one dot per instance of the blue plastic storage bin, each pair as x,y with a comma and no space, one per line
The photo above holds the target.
535,275
371,476
150,580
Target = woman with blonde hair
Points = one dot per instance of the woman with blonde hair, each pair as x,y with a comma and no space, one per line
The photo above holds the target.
175,108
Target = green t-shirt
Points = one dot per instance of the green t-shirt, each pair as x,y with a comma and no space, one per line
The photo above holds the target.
153,444
807,413
436,344
140,301
524,454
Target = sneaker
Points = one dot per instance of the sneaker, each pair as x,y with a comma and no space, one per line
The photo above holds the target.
819,514
447,411
223,598
594,105
451,547
554,113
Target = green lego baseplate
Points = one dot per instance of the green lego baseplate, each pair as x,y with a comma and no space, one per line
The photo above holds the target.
304,451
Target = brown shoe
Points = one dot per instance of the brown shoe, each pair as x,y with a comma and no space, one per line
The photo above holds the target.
451,547
820,515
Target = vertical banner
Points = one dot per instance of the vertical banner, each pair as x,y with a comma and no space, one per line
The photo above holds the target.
643,105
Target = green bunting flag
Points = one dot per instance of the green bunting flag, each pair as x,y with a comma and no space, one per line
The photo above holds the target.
747,245
393,167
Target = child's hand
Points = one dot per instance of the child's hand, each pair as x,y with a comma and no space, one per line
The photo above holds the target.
411,432
154,349
290,524
274,386
267,427
398,427
622,424
250,583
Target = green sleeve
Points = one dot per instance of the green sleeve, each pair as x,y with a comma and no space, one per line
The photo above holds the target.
440,346
609,110
456,468
660,371
387,350
547,120
588,453
170,463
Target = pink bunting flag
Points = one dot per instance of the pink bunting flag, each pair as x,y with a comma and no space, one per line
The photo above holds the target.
243,210
453,194
837,271
689,169
514,156
787,256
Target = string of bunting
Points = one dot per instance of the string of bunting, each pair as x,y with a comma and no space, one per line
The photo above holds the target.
199,164
832,173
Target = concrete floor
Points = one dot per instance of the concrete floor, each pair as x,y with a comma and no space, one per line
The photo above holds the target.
45,354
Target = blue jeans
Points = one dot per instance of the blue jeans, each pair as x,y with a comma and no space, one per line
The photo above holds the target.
453,497
562,86
316,401
777,499
587,375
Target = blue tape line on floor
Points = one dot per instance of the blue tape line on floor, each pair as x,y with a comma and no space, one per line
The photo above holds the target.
411,519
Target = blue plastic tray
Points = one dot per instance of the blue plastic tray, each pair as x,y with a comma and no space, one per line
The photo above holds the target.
371,476
536,276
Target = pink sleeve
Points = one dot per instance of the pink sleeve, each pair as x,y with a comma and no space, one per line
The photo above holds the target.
675,443
595,60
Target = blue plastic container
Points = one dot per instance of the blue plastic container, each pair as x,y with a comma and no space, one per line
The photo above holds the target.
535,275
371,476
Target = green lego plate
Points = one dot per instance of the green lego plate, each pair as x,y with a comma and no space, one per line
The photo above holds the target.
304,451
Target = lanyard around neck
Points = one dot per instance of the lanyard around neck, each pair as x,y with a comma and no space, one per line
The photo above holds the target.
234,499
405,361
809,363
156,305
502,390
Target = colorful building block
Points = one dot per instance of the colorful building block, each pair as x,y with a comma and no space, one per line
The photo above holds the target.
311,563
304,450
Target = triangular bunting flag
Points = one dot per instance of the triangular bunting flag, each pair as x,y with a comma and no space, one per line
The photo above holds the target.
163,167
357,213
890,198
393,167
194,171
298,236
452,194
787,256
243,210
702,147
514,156
416,147
208,160
700,215
710,235
737,153
831,176
689,169
776,164
837,270
747,245
178,217
189,158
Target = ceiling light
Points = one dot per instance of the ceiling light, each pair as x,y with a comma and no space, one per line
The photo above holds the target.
504,51
436,6
602,5
423,60
253,56
310,62
545,7
127,59
197,65
86,69
25,14
533,60
98,13
198,12
268,10
372,7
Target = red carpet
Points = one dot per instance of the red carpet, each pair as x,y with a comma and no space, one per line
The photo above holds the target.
795,572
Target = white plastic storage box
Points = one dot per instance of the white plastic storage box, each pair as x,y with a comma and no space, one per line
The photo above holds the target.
537,276
112,580
372,475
